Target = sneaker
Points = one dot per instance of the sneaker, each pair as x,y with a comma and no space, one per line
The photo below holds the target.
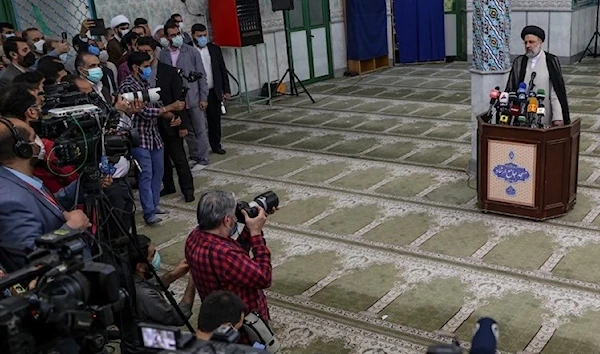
192,163
198,167
153,220
162,211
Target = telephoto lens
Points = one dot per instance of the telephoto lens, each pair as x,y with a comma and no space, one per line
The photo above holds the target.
268,201
151,96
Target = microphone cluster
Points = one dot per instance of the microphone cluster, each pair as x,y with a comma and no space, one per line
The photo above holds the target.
524,108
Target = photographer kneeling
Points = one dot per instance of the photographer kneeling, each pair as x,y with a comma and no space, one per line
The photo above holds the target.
219,262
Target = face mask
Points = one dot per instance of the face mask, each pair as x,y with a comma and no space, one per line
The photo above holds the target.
63,57
95,75
164,42
202,41
29,59
177,41
94,50
103,56
124,32
39,45
181,26
9,35
156,261
40,144
145,73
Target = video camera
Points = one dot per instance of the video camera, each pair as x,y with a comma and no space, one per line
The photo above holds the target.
267,201
72,298
85,130
170,340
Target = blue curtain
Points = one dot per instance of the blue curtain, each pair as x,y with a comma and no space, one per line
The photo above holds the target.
366,28
420,30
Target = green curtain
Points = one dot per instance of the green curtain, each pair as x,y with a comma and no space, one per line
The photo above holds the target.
7,13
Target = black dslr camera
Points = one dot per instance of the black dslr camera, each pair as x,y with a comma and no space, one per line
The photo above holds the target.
267,201
72,299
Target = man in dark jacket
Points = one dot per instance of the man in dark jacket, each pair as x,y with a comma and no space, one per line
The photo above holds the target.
548,76
218,84
171,90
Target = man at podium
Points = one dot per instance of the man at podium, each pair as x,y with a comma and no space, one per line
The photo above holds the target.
548,76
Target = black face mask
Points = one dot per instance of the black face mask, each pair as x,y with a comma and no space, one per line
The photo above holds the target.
29,59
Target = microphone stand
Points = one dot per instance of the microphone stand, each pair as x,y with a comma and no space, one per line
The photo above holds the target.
594,39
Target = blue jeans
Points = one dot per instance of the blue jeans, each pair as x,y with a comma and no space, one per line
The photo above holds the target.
150,179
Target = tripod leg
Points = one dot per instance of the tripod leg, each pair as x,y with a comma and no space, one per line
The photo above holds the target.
587,49
279,83
304,88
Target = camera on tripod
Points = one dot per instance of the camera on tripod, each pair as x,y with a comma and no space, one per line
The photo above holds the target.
72,298
268,201
85,131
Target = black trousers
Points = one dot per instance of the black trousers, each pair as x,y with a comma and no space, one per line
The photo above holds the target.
175,156
213,117
120,197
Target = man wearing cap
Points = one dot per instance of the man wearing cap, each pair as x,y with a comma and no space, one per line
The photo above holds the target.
548,76
120,25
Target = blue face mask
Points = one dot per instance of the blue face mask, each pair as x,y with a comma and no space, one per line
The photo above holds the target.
95,75
145,73
234,230
63,57
94,50
156,261
177,41
202,41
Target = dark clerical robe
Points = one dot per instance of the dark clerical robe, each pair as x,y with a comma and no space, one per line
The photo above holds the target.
520,69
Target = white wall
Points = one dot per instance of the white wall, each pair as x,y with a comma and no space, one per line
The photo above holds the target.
584,25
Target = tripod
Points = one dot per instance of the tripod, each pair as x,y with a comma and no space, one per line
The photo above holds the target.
290,70
595,38
98,206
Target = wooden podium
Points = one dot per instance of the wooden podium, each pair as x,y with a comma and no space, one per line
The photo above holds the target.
530,173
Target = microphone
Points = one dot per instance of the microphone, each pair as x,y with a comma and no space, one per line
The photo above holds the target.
494,95
531,84
532,109
522,98
503,102
541,111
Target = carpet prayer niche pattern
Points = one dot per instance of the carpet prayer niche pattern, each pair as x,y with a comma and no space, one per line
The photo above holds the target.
379,246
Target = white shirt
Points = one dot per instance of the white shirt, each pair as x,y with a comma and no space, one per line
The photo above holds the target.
206,60
535,59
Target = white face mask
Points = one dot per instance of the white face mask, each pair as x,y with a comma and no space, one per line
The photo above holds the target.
103,56
40,144
164,42
39,45
181,26
124,32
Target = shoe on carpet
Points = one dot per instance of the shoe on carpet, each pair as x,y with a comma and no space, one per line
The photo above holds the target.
153,220
220,151
189,198
162,211
166,192
198,167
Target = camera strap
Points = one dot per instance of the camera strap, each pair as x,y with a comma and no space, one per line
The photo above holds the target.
44,193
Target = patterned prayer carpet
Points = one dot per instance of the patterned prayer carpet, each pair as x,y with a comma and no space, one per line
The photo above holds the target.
379,246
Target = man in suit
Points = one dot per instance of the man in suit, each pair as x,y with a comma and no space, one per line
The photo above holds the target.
88,67
189,60
171,88
21,59
179,21
218,84
27,209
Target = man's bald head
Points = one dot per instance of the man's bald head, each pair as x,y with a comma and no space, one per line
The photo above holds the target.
8,140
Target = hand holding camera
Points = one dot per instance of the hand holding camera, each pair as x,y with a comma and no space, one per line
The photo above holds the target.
255,224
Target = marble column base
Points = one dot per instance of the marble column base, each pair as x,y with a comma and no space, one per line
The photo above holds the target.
482,82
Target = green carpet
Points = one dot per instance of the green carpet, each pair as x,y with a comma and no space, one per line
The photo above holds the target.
378,245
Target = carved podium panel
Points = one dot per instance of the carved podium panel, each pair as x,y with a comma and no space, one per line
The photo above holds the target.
525,172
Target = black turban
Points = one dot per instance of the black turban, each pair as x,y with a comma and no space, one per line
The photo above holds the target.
535,30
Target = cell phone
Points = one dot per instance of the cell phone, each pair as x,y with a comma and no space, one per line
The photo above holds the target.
64,37
97,27
163,337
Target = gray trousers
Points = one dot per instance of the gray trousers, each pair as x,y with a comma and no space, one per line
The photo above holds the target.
197,140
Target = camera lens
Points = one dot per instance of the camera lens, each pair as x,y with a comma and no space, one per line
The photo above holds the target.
267,201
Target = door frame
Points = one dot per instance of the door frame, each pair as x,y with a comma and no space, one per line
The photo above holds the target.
307,27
